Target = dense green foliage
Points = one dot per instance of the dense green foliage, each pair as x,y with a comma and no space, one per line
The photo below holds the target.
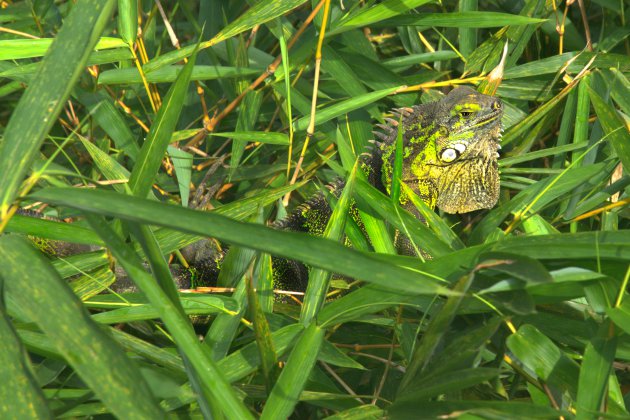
519,312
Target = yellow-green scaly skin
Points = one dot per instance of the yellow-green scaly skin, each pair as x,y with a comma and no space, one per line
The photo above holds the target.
450,152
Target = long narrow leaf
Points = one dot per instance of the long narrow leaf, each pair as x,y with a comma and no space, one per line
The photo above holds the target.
159,136
111,375
315,251
38,108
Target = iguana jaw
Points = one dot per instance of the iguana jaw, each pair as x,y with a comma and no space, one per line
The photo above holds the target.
472,182
465,173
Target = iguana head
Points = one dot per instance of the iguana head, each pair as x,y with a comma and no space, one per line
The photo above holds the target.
451,150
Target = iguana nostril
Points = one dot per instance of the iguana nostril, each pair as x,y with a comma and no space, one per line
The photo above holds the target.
497,104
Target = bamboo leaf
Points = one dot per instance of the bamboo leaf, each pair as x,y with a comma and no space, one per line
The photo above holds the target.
318,279
112,376
614,127
595,371
177,324
38,108
257,136
169,74
261,12
333,111
462,20
286,391
159,136
542,356
378,12
434,335
128,20
15,49
21,395
315,251
182,162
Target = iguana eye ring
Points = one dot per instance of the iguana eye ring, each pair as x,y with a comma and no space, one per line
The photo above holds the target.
449,155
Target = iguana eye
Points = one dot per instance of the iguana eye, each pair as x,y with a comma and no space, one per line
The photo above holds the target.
466,114
449,155
460,147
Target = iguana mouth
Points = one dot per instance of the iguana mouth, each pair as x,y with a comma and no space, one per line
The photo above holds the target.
491,116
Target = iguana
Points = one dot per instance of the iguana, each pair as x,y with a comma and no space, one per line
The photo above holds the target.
450,152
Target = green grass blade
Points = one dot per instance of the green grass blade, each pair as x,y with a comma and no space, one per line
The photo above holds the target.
385,10
398,163
129,76
481,408
223,329
539,354
462,20
451,382
111,169
435,223
569,245
257,136
595,370
422,58
421,235
160,269
434,334
363,412
317,252
128,20
111,375
20,394
348,81
467,36
247,359
246,120
177,324
528,122
366,300
44,98
344,107
262,333
621,91
15,49
201,305
111,121
182,162
318,279
159,266
261,12
292,380
620,315
614,127
154,147
53,230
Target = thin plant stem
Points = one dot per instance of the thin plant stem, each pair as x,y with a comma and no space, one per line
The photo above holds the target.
311,125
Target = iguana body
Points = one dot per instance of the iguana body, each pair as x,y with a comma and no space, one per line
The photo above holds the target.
449,160
450,151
